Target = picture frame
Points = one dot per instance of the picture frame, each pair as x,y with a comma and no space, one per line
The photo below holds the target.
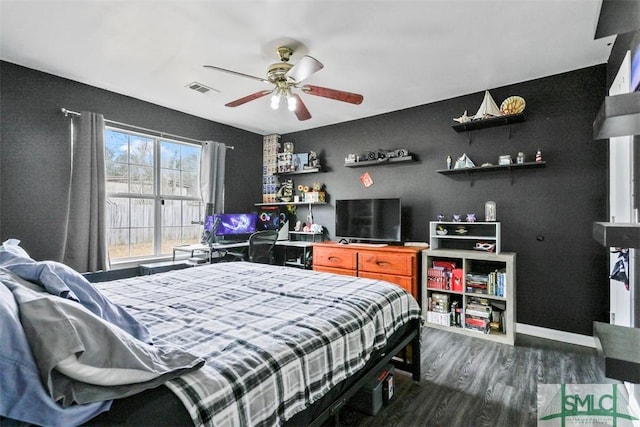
299,161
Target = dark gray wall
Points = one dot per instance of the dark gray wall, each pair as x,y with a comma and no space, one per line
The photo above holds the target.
546,214
34,159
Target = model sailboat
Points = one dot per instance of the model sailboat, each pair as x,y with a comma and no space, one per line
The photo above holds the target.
488,108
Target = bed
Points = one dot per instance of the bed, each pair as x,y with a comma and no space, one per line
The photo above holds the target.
281,346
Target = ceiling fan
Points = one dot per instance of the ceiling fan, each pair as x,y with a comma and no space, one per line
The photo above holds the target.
285,77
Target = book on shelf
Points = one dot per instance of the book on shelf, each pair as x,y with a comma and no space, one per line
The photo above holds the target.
437,278
477,324
457,275
493,283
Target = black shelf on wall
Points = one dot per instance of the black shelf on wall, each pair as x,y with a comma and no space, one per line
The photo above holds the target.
299,172
488,123
527,165
385,161
510,167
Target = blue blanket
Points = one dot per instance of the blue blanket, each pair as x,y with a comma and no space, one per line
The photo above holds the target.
63,345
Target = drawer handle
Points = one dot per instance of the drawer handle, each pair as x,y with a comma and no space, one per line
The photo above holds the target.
382,263
333,258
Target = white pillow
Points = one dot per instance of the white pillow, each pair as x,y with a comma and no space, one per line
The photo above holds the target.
73,368
12,246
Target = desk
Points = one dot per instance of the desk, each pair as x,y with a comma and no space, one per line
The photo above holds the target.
301,256
222,248
208,250
193,250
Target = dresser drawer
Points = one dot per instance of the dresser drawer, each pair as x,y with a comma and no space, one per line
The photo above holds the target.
335,257
405,282
387,263
333,270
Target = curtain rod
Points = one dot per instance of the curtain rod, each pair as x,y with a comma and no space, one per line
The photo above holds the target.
68,112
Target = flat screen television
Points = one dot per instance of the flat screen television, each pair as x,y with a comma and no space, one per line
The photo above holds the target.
369,219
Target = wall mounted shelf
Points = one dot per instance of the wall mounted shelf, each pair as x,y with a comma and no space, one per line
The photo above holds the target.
488,123
526,165
289,203
310,170
511,167
379,162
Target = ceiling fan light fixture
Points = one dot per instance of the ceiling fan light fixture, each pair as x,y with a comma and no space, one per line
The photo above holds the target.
291,101
275,100
284,77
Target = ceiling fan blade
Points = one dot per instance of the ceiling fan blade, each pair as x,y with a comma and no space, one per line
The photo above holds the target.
248,98
304,68
339,95
213,67
301,111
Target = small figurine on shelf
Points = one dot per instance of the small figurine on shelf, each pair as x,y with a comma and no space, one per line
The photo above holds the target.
538,156
313,160
288,147
440,217
456,218
471,217
490,211
285,192
464,162
316,228
449,162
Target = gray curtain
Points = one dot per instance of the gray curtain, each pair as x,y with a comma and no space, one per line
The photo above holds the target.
212,168
85,246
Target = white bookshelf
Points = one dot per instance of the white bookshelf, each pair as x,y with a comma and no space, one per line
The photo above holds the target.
472,262
449,235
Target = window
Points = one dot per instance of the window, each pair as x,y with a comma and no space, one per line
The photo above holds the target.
153,194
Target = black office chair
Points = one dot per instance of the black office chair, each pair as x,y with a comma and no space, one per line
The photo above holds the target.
260,250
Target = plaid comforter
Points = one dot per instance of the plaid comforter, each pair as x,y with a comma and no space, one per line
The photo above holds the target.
275,339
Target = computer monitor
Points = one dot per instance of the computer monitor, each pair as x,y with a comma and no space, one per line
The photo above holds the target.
236,224
208,223
269,218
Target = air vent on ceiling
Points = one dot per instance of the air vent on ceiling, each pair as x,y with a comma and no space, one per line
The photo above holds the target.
199,87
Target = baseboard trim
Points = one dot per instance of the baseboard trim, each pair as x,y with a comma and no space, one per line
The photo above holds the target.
553,334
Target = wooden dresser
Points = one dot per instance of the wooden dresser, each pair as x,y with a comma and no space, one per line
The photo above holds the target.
395,264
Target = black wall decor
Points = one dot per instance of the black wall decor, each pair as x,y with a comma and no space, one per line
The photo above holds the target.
546,213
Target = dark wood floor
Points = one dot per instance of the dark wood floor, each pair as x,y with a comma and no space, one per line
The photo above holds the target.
468,381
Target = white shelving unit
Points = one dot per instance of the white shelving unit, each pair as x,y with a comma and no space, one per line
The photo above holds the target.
447,235
464,294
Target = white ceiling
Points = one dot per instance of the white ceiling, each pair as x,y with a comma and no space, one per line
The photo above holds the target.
396,53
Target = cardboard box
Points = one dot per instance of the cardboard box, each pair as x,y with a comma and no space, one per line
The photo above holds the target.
443,319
